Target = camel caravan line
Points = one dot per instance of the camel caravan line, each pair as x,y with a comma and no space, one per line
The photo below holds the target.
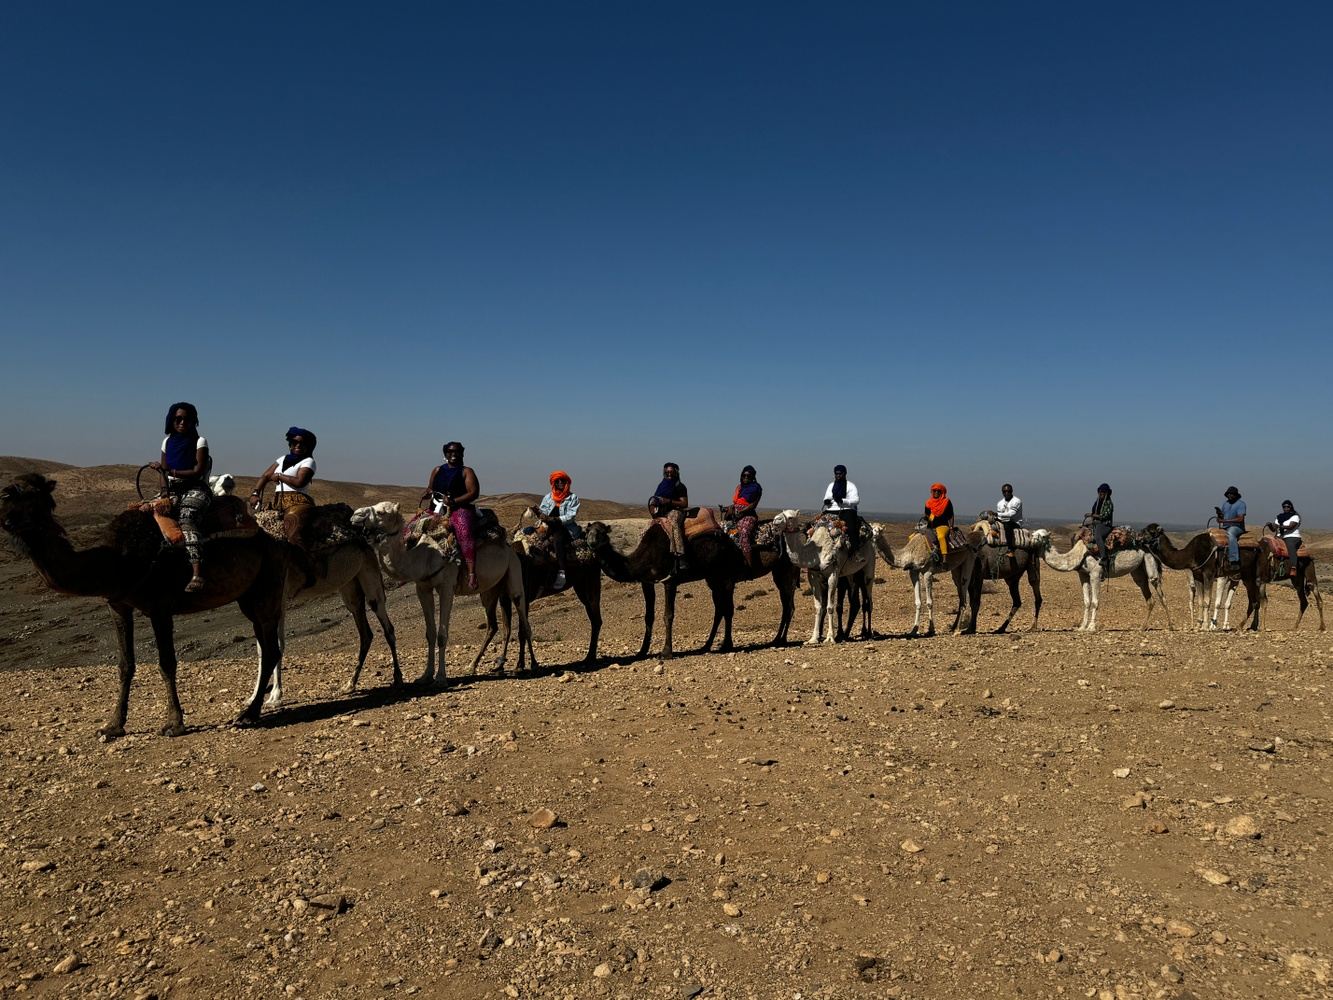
267,567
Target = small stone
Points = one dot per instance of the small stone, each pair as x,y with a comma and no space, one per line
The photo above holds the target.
1262,746
542,819
334,901
489,940
690,990
259,786
1138,800
67,964
602,971
377,824
910,846
1172,974
1214,877
1158,827
454,809
1166,703
490,845
1181,928
38,865
646,878
731,909
823,877
1243,826
1121,772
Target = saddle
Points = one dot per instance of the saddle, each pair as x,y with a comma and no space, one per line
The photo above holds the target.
1249,540
323,527
698,521
534,541
436,531
226,517
1023,537
1279,548
1121,538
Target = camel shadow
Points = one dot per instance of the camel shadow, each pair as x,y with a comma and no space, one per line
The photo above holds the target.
347,704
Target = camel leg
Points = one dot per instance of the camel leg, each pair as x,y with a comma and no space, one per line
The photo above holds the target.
124,619
354,600
489,598
868,601
164,636
1015,602
787,597
1254,593
590,596
372,585
916,601
442,634
1140,576
819,592
1318,603
518,597
669,593
426,596
268,637
1089,602
649,612
928,584
724,598
1034,581
963,622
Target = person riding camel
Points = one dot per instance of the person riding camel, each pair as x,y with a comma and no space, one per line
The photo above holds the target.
842,499
1288,527
745,512
183,470
939,519
291,475
456,483
670,500
1009,512
1102,517
1231,519
558,509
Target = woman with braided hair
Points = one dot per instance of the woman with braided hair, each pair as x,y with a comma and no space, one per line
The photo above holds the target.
183,469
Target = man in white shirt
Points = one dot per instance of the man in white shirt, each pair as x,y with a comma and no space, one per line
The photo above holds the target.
842,499
1009,511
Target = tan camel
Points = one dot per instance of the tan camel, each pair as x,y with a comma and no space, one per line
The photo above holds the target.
818,550
134,573
917,557
350,569
1143,568
435,575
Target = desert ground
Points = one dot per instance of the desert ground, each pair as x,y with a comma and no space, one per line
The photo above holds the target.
1127,813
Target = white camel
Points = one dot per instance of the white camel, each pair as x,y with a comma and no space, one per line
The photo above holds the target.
820,553
498,570
917,559
1143,568
350,570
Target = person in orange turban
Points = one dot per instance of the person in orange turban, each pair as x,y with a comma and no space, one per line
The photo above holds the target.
939,517
559,508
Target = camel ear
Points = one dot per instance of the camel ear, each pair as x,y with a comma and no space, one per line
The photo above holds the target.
49,486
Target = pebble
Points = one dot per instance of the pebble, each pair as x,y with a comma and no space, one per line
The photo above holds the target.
731,909
602,971
454,809
1121,772
1243,826
259,786
646,878
1166,703
1181,928
1262,746
38,865
910,846
542,819
1214,877
1139,800
689,990
823,877
1172,974
67,964
334,901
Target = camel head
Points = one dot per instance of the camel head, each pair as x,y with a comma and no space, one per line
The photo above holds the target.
222,486
597,534
988,528
378,521
27,503
1150,535
1041,540
787,520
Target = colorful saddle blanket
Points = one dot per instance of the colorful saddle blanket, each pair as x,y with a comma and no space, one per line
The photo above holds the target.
1119,539
1279,548
226,517
698,521
1023,537
1249,540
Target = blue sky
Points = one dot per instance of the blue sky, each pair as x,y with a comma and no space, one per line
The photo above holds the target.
1052,244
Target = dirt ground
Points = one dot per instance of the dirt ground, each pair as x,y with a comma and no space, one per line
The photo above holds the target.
1121,814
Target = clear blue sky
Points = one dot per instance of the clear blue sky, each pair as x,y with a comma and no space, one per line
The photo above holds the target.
1051,243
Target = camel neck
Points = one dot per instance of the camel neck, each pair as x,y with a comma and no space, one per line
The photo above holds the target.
96,572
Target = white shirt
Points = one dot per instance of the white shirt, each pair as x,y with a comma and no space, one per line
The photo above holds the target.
305,463
849,502
1290,526
1010,511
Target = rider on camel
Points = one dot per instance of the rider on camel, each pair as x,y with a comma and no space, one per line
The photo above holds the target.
939,519
457,484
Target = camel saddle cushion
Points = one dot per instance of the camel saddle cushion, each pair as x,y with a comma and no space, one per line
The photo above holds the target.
1279,548
698,521
534,541
226,517
1022,537
1249,540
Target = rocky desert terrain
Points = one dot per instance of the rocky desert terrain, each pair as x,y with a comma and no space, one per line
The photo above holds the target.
1121,814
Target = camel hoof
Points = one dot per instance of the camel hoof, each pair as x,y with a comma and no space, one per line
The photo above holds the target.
350,688
111,731
173,729
424,680
245,720
273,701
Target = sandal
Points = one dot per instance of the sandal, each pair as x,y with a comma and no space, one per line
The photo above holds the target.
195,585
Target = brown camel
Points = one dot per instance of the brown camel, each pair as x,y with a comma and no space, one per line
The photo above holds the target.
134,573
1206,563
713,558
995,563
1305,583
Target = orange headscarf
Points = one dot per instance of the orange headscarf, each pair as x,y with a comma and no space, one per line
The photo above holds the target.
558,495
936,505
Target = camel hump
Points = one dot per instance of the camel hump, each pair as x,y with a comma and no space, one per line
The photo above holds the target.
1249,540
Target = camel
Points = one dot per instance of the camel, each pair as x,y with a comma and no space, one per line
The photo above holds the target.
1143,568
994,563
826,564
351,570
135,573
1305,583
1210,588
423,564
539,570
917,559
713,558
